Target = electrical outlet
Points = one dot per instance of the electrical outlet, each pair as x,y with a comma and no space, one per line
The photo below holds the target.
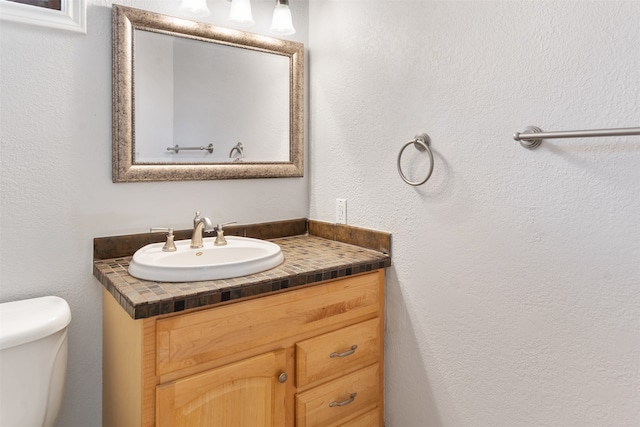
341,211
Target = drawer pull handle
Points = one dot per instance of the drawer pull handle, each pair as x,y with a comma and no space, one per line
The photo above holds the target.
346,402
283,377
346,353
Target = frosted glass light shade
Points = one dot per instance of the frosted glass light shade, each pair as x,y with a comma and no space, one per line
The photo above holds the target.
195,7
282,24
240,13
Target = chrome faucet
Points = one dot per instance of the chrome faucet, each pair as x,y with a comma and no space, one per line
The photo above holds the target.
200,224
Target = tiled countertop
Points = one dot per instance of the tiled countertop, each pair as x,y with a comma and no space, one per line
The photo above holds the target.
308,259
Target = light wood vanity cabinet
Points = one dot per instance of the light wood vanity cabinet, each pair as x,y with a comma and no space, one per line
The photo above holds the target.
306,357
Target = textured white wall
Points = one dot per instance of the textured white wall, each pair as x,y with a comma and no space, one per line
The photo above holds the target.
55,175
514,298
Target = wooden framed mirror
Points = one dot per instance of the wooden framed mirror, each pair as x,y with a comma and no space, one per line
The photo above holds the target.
193,101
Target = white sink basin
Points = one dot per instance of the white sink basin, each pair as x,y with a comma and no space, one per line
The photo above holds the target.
241,256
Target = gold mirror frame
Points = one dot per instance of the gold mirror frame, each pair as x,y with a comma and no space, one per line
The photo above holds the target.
125,20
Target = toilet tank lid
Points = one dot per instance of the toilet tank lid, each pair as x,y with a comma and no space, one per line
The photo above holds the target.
31,319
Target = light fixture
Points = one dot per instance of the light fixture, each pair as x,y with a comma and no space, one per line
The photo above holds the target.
195,7
282,24
240,13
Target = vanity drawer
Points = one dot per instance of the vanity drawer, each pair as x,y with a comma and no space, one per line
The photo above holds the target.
370,419
333,403
187,340
337,353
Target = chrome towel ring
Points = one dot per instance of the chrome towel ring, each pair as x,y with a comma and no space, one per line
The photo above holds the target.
240,149
421,142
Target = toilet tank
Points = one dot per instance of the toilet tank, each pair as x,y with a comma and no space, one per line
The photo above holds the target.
33,360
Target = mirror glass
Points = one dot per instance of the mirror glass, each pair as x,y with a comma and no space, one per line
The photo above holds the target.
195,101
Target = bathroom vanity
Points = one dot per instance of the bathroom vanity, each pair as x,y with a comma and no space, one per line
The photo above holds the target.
304,347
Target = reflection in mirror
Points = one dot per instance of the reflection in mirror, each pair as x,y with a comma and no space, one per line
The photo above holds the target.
195,101
192,93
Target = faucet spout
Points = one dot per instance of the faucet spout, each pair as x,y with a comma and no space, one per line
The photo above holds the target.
200,224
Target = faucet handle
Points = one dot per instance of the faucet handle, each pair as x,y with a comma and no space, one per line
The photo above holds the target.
169,245
220,239
219,227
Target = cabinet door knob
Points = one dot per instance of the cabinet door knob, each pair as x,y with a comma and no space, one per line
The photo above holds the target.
283,377
346,353
346,402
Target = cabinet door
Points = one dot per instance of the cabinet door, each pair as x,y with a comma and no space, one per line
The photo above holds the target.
243,394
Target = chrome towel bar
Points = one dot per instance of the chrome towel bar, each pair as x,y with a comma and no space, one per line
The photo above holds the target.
421,142
176,148
532,136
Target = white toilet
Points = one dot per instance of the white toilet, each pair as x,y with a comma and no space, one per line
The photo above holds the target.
33,360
